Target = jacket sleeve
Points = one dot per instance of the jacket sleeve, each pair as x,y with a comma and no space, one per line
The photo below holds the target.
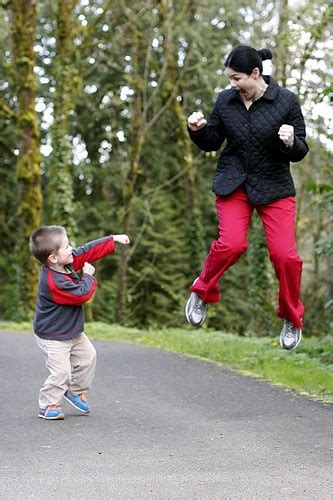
295,118
210,137
65,291
92,251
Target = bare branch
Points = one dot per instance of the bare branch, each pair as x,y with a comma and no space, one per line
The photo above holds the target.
92,27
172,180
6,110
316,35
146,72
142,229
164,68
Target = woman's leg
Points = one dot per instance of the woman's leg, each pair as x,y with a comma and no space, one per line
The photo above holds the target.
234,213
279,224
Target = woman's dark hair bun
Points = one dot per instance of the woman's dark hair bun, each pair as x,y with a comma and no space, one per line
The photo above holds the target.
265,54
244,58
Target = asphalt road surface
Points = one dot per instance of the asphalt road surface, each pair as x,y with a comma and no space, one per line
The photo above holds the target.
162,426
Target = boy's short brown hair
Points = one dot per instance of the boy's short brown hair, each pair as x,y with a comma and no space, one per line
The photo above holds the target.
45,241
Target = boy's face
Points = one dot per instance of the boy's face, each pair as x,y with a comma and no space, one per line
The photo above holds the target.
64,255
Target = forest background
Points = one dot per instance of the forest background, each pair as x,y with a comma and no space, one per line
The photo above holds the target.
94,97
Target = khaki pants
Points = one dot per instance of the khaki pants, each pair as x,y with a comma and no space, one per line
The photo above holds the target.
71,364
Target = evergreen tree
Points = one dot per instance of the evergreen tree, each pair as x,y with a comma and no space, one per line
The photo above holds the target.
118,80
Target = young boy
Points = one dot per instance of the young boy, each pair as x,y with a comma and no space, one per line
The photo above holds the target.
59,318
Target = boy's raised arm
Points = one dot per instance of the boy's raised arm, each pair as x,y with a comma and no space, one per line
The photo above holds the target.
97,249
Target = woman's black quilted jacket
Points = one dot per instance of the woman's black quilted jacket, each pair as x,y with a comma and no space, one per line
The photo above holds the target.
254,155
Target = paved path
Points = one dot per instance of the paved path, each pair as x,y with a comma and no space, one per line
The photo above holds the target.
163,426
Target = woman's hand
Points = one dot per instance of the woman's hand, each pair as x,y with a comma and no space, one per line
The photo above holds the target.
286,134
196,121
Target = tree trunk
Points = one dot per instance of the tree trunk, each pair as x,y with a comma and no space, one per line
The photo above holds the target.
129,190
329,280
60,186
24,19
173,82
281,44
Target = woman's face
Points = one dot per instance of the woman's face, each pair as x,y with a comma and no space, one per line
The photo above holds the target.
246,84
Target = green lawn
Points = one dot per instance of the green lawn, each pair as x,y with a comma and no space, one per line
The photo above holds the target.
308,370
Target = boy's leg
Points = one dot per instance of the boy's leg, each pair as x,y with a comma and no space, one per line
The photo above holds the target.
57,357
279,223
83,364
234,214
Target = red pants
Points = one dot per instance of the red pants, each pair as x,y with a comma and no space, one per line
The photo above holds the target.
278,218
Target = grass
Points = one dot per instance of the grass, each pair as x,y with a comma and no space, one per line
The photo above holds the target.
308,371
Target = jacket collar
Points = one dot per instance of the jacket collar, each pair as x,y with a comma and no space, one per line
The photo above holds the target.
270,93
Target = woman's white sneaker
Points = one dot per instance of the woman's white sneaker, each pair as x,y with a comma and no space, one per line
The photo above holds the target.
195,310
290,335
